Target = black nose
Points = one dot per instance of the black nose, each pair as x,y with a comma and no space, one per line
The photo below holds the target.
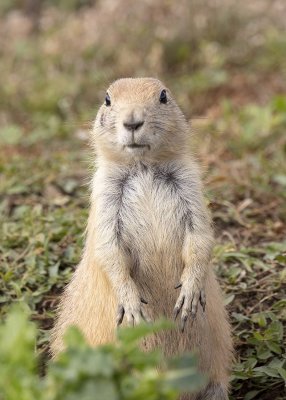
133,126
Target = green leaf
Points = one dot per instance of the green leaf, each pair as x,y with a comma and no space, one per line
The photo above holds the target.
250,395
263,354
268,371
258,336
185,380
133,335
98,389
184,361
274,347
259,318
239,317
74,338
282,372
250,363
229,299
275,330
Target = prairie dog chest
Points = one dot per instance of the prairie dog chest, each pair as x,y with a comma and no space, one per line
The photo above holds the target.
146,207
151,210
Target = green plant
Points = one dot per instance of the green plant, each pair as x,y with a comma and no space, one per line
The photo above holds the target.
112,372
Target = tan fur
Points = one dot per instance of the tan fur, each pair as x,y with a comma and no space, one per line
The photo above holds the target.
148,230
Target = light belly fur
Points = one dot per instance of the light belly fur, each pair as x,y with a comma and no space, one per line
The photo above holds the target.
154,240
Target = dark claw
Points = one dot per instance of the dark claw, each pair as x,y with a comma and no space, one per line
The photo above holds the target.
183,323
143,301
178,309
142,316
176,312
203,301
194,310
193,315
120,315
178,286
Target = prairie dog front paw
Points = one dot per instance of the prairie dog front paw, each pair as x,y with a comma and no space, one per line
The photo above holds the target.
130,306
190,296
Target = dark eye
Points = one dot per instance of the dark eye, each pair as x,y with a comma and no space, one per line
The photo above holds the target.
163,97
107,100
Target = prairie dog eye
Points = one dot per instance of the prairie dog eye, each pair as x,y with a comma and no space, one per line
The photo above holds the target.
163,97
107,100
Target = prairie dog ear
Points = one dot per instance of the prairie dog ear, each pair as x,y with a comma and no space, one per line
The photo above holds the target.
163,97
107,100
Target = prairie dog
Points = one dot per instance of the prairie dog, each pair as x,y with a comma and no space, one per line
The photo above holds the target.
148,232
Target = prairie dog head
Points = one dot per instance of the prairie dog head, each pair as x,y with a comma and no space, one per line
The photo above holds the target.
139,120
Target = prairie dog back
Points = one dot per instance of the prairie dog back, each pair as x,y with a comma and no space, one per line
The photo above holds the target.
149,236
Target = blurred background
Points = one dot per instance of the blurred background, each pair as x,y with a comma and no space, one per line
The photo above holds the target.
225,62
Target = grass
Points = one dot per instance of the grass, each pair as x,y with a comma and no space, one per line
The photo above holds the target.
227,72
118,371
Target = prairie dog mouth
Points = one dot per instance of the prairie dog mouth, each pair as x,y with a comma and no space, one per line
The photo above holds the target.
137,146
